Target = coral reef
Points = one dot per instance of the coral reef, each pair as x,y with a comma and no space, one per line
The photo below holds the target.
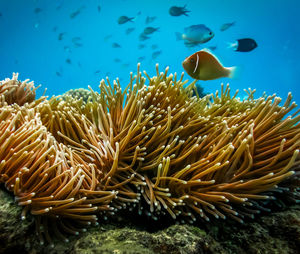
154,149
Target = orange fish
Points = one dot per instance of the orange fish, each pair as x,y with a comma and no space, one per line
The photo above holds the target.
203,65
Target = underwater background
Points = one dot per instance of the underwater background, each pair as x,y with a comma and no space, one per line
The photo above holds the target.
65,45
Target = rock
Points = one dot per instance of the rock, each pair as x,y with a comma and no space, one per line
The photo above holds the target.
277,232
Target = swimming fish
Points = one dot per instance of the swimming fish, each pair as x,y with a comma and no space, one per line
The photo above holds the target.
99,8
155,54
195,34
226,26
150,30
203,65
115,45
149,19
178,11
143,37
243,45
68,61
141,46
124,19
77,12
129,30
61,36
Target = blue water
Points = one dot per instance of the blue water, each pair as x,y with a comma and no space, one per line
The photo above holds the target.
30,46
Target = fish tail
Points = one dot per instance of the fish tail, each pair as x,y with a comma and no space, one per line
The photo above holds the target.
178,36
233,72
232,45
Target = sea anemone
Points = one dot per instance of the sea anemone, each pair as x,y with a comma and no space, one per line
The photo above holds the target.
153,148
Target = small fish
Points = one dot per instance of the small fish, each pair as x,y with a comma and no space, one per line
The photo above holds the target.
150,30
124,19
150,19
67,49
68,61
97,72
155,54
226,26
61,36
243,45
37,10
116,45
198,90
76,39
58,74
143,37
54,29
129,30
203,65
98,8
107,37
178,11
154,46
76,13
212,48
117,60
78,44
141,58
195,34
141,46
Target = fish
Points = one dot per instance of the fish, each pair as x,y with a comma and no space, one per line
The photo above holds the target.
178,11
141,58
78,44
155,54
76,13
243,45
143,37
124,19
37,10
54,29
150,30
97,71
115,45
141,46
107,37
68,61
150,19
117,60
154,46
129,30
195,34
226,26
198,91
98,8
58,74
212,48
61,36
203,65
76,39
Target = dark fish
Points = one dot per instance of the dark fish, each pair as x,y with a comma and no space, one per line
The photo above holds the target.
198,91
149,19
243,45
212,48
141,46
116,45
117,60
58,74
155,54
143,37
37,10
98,8
78,44
178,11
203,65
68,61
129,30
154,46
76,39
124,19
141,58
76,13
150,30
97,72
226,26
61,36
195,34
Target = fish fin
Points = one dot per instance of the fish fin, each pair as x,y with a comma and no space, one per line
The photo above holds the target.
234,72
179,36
232,45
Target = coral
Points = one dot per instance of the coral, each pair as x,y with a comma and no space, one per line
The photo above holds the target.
153,149
77,94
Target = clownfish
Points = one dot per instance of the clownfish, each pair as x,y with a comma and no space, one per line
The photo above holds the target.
203,65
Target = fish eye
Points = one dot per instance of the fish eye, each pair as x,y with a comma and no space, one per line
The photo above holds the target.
210,33
192,60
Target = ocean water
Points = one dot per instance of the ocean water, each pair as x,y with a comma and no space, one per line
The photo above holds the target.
30,43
